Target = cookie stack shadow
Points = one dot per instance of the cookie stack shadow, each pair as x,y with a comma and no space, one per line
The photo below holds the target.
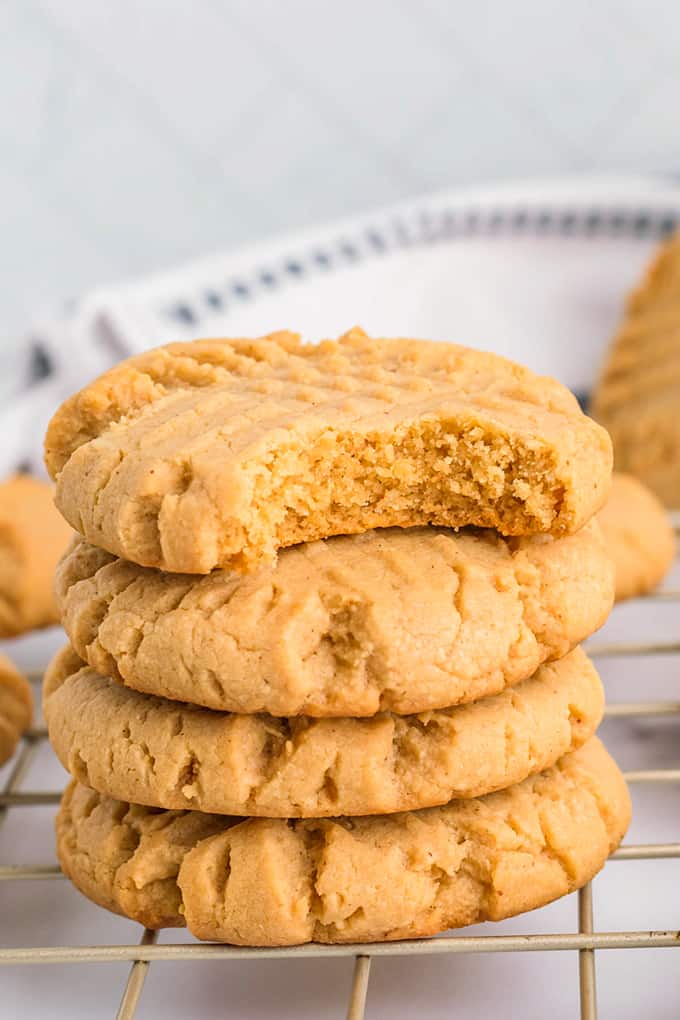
377,735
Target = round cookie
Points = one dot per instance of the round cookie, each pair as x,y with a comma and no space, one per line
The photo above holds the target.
272,882
147,750
638,393
400,620
639,536
16,707
217,453
32,538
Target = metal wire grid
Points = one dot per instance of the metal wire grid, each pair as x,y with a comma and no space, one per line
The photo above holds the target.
585,941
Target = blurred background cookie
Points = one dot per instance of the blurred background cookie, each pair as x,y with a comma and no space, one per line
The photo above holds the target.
32,538
268,882
639,535
639,390
148,750
400,620
16,707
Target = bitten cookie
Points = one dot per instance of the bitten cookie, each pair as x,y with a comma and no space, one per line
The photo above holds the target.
638,395
32,538
395,620
148,750
639,536
217,453
16,707
272,882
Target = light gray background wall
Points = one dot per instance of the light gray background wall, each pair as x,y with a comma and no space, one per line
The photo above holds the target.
136,134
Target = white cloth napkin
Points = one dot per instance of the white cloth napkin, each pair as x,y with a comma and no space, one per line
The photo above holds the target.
537,273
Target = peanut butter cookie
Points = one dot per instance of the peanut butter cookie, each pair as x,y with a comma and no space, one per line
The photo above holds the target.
638,395
217,453
144,749
271,882
16,707
393,620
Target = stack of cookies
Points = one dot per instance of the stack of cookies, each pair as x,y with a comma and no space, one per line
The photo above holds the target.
324,609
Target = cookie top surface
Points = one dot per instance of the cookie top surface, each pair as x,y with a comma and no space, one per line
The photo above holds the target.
404,620
217,453
638,394
148,750
16,707
32,538
273,882
639,536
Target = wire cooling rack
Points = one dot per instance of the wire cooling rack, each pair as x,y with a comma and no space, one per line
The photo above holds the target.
585,941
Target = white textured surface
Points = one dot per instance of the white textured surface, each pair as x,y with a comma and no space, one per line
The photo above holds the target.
135,135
